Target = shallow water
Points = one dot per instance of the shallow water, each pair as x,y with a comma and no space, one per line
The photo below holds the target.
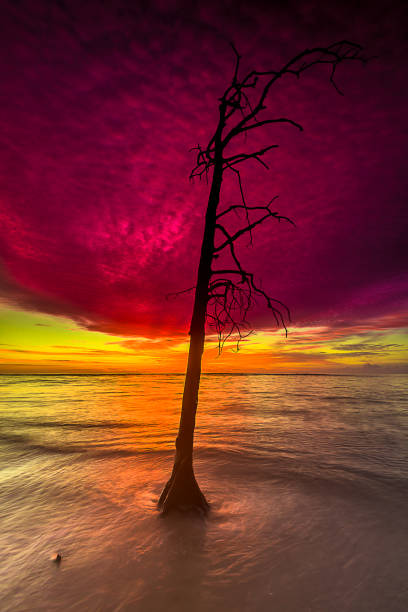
307,478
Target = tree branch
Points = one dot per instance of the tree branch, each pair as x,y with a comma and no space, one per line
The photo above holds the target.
240,130
247,208
240,157
248,228
231,298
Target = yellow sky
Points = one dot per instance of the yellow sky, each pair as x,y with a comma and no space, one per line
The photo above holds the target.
33,342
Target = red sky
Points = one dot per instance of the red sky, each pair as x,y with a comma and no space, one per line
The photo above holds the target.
100,106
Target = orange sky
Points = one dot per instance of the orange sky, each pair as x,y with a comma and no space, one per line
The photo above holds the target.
38,343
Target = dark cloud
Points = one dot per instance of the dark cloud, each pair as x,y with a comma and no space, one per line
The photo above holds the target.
100,105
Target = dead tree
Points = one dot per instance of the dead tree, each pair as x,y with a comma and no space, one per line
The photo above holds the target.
224,296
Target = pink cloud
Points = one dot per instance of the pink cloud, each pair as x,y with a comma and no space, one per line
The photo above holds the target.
101,106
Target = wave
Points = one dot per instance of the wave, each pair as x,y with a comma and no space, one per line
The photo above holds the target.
272,464
10,422
26,443
279,465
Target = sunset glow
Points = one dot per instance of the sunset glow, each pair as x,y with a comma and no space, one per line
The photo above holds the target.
100,225
48,344
203,305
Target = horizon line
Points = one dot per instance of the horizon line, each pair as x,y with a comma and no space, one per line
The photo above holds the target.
368,375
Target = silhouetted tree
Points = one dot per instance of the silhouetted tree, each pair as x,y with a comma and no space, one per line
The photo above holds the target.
224,296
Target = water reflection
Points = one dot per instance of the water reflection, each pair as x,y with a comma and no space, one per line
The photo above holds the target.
307,479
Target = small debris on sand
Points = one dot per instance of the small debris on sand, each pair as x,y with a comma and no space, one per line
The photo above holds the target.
57,558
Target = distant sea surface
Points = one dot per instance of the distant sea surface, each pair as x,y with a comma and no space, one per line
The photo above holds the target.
307,477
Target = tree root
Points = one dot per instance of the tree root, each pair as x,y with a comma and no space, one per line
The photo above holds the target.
182,492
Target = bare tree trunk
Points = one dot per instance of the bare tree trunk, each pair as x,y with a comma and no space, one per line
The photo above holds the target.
239,113
182,491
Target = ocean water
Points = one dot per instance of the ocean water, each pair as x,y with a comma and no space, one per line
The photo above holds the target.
307,477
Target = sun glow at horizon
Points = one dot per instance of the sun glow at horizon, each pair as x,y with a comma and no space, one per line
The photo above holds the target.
40,343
